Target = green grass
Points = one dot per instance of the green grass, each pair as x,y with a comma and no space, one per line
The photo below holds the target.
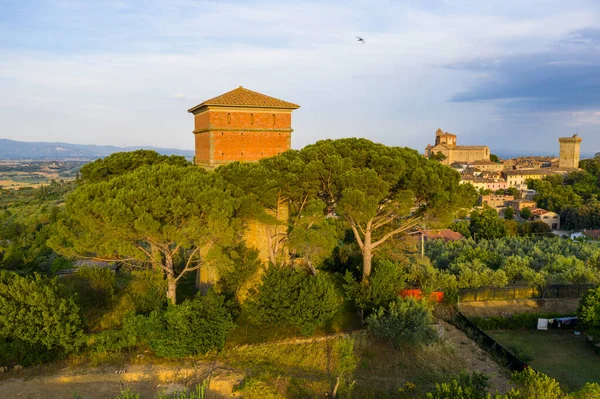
560,354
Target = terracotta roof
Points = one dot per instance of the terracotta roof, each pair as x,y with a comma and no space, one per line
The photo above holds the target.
592,233
523,201
242,97
539,211
482,162
445,234
530,172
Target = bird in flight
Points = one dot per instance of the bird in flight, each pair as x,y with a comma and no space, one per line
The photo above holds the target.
360,39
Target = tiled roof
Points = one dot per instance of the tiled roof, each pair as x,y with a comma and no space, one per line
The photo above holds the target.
445,234
592,233
482,162
539,211
242,97
530,172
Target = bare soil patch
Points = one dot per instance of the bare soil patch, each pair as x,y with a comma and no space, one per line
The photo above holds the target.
106,382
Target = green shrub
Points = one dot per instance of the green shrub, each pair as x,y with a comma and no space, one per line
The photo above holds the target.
589,310
193,327
290,296
198,393
144,290
127,394
233,281
589,391
33,312
467,386
534,385
404,321
383,286
15,351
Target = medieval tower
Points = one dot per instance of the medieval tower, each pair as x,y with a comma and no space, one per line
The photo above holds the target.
569,152
241,125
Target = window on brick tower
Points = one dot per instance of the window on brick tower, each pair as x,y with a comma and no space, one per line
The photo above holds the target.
252,119
273,119
228,118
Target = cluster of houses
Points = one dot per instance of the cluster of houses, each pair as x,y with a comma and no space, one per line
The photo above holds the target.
493,179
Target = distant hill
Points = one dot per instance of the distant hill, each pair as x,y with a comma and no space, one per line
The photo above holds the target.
10,149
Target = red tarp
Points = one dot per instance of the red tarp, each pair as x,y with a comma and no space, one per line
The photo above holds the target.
436,296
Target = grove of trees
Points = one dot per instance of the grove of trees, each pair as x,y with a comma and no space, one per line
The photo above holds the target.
337,215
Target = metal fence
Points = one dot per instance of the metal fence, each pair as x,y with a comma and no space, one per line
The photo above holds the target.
522,292
489,343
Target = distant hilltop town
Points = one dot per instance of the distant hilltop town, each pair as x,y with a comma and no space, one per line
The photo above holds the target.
492,177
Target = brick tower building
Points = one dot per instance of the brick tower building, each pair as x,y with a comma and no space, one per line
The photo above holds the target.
569,152
241,125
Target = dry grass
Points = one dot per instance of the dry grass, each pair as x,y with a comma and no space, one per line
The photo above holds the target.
501,308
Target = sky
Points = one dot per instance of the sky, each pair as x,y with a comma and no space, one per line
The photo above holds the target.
511,74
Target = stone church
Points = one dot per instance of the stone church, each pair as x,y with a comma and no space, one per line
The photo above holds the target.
445,143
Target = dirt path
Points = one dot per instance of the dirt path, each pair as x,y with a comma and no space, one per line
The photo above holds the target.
107,382
477,359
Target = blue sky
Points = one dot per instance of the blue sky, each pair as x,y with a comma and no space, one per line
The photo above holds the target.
512,74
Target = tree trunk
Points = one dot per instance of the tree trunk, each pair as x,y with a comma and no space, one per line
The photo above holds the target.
171,289
367,253
171,281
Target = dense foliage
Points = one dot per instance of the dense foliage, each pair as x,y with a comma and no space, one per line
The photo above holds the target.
377,192
404,321
536,261
385,283
193,327
27,217
529,385
589,310
295,297
160,216
34,315
121,163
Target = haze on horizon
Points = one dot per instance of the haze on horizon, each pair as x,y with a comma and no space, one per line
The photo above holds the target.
508,74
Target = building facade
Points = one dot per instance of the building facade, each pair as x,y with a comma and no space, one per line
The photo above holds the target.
569,152
519,204
552,219
241,125
445,143
496,201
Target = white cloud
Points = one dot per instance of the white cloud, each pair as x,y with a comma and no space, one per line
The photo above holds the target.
122,65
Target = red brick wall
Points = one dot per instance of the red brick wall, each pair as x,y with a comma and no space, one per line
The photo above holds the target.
202,147
248,146
249,119
219,145
201,121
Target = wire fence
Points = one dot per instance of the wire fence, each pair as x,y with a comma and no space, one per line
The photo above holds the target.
489,343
